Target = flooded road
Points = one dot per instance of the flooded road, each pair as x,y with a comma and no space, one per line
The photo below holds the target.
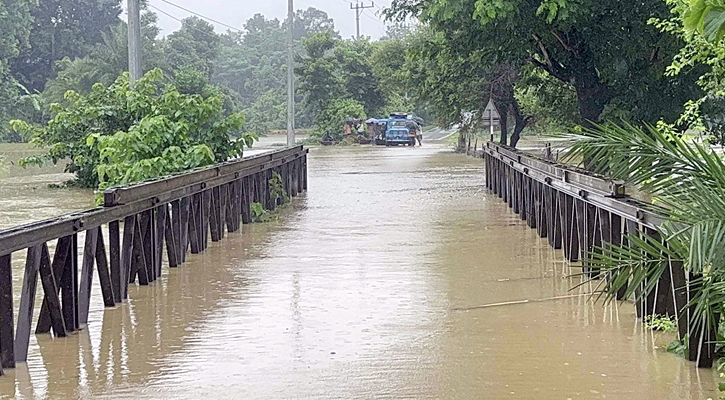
396,276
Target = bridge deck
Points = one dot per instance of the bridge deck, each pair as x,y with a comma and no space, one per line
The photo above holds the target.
398,275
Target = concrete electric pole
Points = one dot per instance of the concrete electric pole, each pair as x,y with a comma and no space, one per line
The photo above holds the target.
290,76
134,40
359,7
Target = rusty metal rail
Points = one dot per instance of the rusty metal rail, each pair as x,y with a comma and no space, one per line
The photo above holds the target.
580,212
178,213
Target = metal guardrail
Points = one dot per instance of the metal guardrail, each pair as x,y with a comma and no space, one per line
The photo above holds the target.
598,190
133,199
176,213
582,213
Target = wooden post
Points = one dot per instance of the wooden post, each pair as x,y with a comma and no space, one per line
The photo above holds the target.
89,259
69,286
223,199
129,233
205,218
615,238
62,253
195,224
104,276
114,241
542,228
215,220
7,338
50,290
159,234
140,249
570,231
171,232
247,197
532,201
27,302
184,228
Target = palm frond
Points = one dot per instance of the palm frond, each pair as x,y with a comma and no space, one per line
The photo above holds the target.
687,182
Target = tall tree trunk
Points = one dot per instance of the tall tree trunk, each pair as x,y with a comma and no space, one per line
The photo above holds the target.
592,98
521,123
503,113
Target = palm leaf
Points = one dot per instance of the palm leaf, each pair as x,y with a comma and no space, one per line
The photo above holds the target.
687,182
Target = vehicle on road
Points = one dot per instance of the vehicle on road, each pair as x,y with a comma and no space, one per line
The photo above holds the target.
403,129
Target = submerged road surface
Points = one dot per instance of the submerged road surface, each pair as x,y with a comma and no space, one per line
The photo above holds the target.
396,276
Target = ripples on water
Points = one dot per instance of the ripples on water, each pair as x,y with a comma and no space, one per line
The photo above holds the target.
375,284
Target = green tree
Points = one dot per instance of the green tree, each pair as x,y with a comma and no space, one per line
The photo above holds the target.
359,82
62,28
266,113
331,120
15,25
105,61
195,45
254,62
318,71
605,49
118,134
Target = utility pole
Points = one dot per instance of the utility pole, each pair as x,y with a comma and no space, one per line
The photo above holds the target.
134,40
290,76
359,7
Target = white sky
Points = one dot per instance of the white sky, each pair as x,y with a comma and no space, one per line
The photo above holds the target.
237,12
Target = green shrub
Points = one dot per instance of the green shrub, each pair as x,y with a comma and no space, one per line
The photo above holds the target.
127,133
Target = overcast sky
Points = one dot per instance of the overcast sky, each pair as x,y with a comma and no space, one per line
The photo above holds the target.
236,12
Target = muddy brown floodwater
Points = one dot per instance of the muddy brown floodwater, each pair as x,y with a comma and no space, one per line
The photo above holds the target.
381,282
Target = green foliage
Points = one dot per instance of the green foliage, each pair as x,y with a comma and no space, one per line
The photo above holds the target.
276,189
105,61
195,46
319,76
266,113
660,323
706,17
678,347
253,65
551,103
15,25
120,134
62,28
606,50
686,180
258,212
331,120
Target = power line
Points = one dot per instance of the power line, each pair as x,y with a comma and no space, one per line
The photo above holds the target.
178,19
373,18
199,15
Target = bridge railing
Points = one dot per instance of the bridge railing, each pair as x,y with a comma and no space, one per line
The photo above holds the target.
580,212
174,214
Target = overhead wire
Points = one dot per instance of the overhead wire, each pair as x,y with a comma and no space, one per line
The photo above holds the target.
177,19
198,15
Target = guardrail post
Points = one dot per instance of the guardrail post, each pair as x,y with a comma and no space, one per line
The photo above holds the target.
89,258
27,301
7,338
185,215
215,215
247,198
172,226
114,233
104,276
129,233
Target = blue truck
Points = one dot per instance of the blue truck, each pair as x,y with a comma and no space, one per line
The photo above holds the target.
401,129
